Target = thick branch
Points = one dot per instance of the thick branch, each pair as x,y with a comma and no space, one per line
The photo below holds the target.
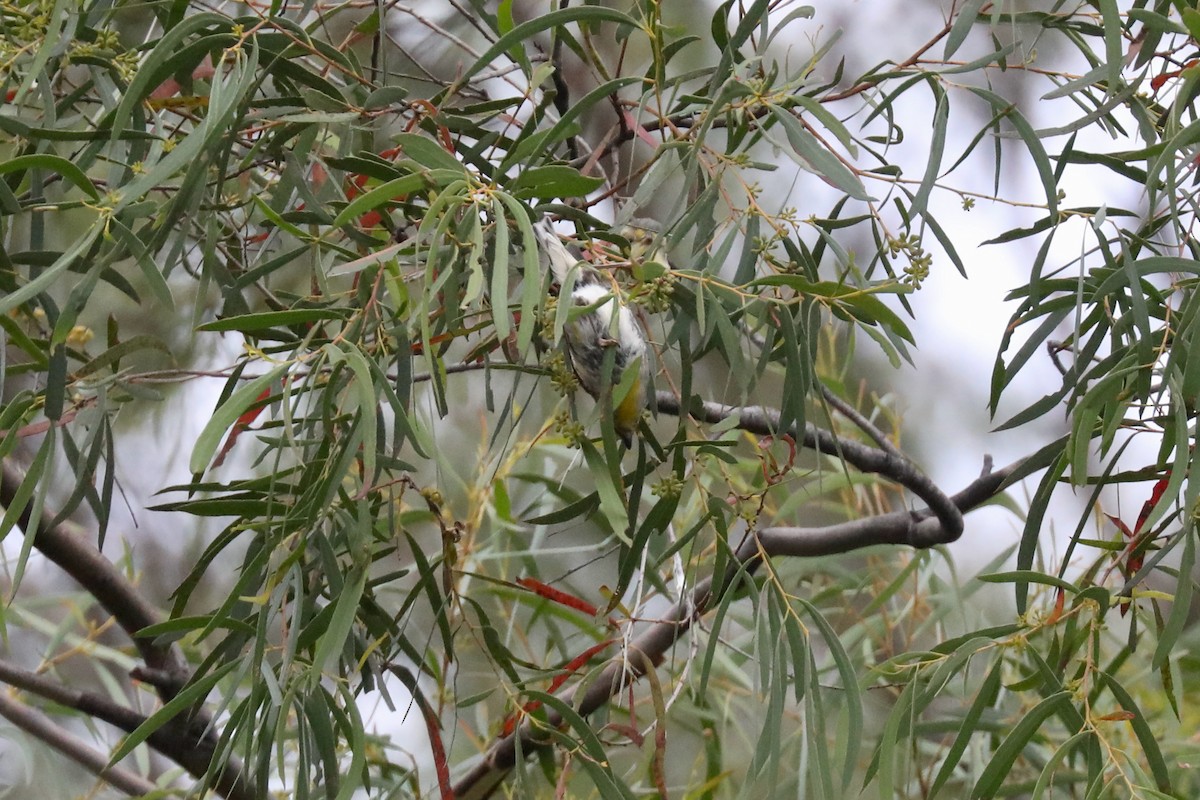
920,529
37,724
68,547
164,740
894,466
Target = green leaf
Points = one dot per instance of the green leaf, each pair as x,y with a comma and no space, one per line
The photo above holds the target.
553,181
369,201
870,309
162,60
345,612
367,399
225,415
580,508
1114,53
19,502
499,270
850,688
49,276
996,772
1033,145
272,319
525,30
1033,523
51,163
320,711
114,354
429,154
540,144
1181,608
1050,770
172,629
150,268
191,695
985,698
1141,729
967,16
1027,577
1191,19
532,283
228,92
821,160
592,758
937,145
1155,21
357,744
612,501
832,123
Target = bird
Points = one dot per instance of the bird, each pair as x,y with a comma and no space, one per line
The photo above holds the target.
610,324
645,239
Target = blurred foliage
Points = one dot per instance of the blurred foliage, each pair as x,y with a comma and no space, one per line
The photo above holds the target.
412,479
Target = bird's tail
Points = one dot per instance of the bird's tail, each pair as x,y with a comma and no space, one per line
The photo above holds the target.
558,257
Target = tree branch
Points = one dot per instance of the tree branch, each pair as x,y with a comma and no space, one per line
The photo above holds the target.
620,132
919,529
39,725
862,423
894,466
67,546
164,740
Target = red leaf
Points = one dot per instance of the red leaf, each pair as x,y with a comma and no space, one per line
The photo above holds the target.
1118,716
1158,80
557,596
569,669
243,422
638,130
440,763
170,87
1121,526
370,219
1060,601
572,666
1156,494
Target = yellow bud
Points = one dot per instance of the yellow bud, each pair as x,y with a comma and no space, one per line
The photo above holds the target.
79,336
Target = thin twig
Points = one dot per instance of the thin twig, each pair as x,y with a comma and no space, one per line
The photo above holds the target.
862,423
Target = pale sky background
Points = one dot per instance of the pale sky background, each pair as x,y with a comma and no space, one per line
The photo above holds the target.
959,322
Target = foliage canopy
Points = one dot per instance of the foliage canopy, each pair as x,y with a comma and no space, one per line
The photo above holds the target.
423,511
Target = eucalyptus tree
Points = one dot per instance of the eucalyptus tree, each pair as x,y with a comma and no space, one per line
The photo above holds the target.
313,230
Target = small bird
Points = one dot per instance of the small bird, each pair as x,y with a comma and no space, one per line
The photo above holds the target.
589,336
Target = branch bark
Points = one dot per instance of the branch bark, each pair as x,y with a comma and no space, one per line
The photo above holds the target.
892,465
37,724
190,742
940,522
96,706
